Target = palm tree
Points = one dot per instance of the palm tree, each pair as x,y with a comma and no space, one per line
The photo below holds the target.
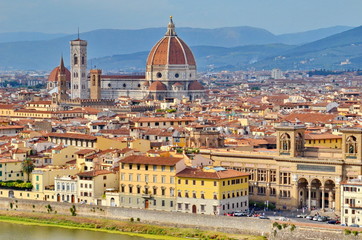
28,167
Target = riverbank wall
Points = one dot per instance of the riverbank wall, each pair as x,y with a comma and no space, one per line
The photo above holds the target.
236,225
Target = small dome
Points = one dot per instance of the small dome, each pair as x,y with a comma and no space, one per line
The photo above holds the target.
195,85
157,86
178,84
53,76
146,84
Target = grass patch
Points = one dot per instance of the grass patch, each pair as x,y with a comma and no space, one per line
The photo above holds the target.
116,226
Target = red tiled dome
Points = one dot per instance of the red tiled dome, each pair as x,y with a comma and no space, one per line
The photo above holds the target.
157,86
170,50
178,84
195,85
53,77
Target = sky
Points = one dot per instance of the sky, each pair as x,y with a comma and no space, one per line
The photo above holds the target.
276,16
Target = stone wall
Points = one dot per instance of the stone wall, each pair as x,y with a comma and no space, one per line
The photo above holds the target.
242,225
219,223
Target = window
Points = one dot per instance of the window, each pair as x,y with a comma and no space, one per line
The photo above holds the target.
215,196
163,179
273,175
155,191
194,195
130,177
155,178
351,146
154,168
138,177
261,176
186,181
138,166
130,166
202,183
172,180
163,168
37,178
187,206
179,206
193,182
163,203
202,195
172,192
172,168
146,167
284,178
215,183
285,143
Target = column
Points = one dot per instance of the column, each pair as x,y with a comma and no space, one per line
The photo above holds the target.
323,198
309,198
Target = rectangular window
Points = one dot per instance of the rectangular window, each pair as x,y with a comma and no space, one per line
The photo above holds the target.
163,179
179,206
202,183
163,168
171,203
155,178
154,168
163,203
37,178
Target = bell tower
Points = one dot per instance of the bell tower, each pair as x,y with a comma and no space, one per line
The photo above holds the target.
78,64
290,140
95,83
62,82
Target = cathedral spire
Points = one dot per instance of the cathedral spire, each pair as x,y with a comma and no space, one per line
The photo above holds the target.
171,28
61,66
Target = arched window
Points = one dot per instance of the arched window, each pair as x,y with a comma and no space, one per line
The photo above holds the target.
351,146
83,59
299,142
93,80
75,57
285,143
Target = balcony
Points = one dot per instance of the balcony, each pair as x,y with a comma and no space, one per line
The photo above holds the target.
146,195
355,206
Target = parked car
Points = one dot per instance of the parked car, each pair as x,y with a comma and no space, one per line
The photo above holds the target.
263,217
315,218
333,222
344,225
309,217
283,219
240,214
354,225
302,215
322,219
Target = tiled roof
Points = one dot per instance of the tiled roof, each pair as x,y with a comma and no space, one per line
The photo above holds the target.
199,173
170,161
72,135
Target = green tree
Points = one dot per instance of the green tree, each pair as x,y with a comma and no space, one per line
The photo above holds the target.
28,167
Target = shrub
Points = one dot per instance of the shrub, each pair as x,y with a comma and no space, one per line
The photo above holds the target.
275,224
284,225
138,219
292,227
73,210
131,219
347,231
279,227
354,233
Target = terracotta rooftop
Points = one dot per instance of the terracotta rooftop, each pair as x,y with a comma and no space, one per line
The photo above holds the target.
200,173
72,135
169,161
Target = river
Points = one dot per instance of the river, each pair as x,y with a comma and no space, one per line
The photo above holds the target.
13,231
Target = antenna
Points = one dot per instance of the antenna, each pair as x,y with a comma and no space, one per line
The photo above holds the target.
78,33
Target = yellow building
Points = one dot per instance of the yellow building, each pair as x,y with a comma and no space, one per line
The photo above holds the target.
147,182
211,190
325,140
11,170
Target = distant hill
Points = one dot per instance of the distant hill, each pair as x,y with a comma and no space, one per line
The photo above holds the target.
311,36
328,53
231,47
207,57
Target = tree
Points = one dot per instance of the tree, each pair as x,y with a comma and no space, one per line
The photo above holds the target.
28,167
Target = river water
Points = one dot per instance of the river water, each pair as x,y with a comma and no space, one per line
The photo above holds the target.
13,231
